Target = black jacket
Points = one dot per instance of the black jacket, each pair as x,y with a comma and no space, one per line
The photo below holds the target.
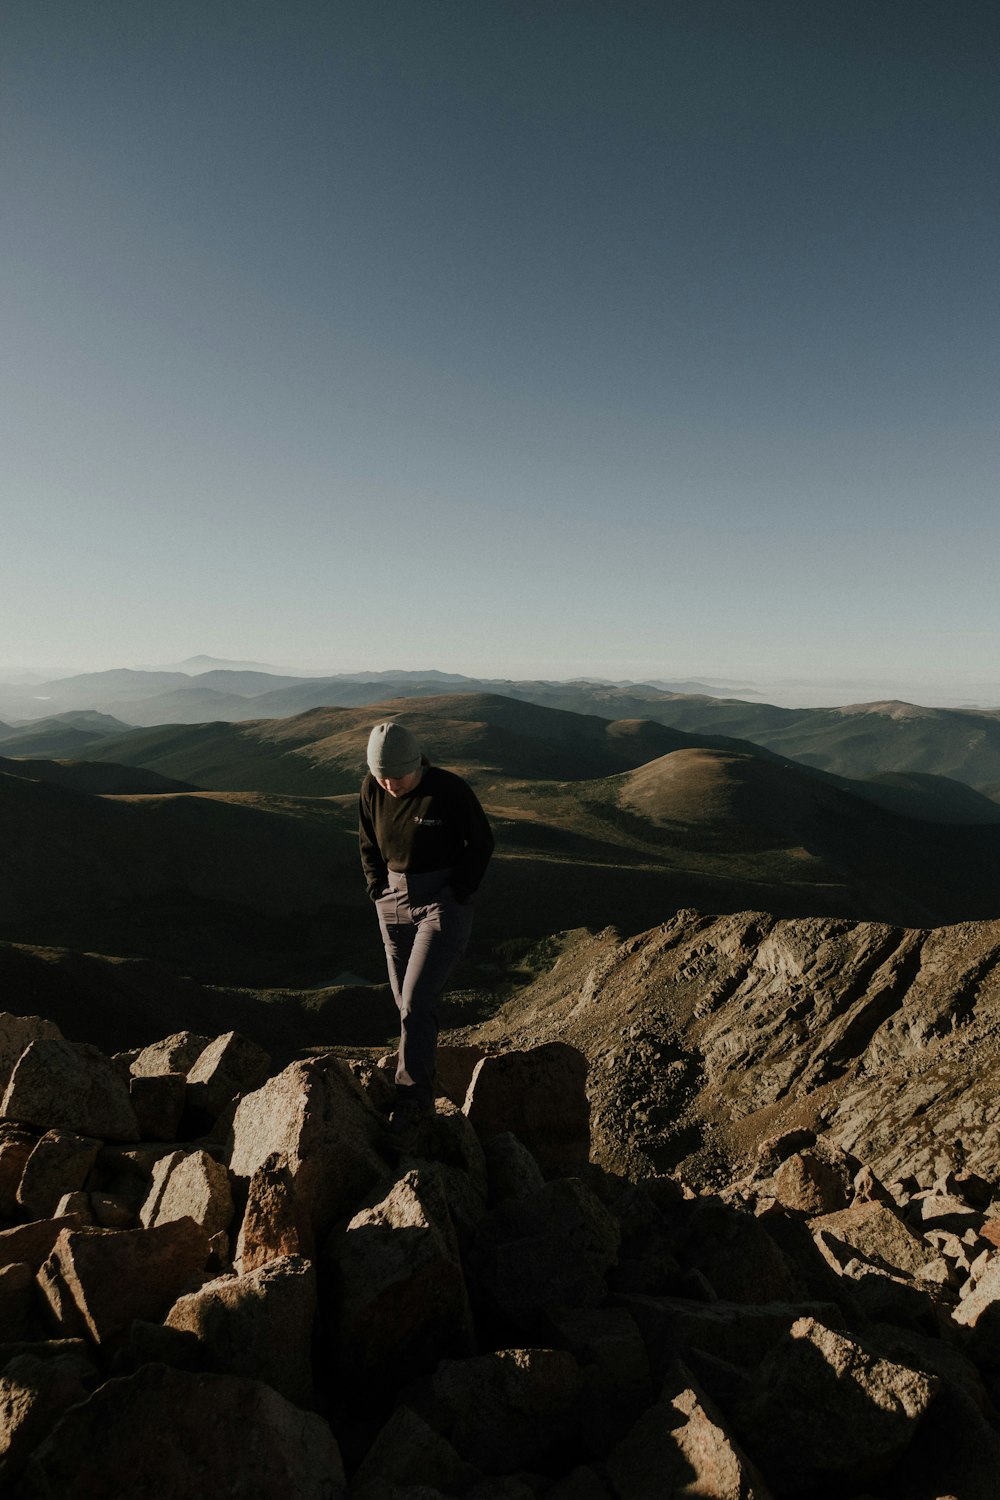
437,826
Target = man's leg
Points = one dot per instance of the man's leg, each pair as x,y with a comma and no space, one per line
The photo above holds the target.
441,934
398,932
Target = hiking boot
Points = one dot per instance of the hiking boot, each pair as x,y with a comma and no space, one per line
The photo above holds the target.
403,1129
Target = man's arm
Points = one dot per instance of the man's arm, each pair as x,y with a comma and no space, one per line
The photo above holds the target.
478,835
376,871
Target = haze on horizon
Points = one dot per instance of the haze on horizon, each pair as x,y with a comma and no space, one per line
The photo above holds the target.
621,340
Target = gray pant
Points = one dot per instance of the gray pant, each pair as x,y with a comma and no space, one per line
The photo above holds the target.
425,932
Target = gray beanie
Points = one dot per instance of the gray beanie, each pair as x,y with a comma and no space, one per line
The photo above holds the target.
392,751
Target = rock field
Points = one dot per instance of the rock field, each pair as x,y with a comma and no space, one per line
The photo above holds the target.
711,1213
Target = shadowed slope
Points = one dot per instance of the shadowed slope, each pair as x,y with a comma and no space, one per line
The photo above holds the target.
99,777
206,878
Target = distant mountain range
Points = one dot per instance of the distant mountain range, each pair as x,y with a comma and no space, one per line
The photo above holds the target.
73,716
203,689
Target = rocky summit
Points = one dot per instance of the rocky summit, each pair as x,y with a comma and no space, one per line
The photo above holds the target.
711,1212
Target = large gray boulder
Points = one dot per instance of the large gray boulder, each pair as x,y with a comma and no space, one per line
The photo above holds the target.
70,1086
318,1117
96,1281
173,1054
272,1223
165,1434
540,1095
259,1325
552,1247
682,1446
230,1065
875,1232
17,1299
190,1185
825,1409
515,1409
17,1033
16,1144
400,1302
33,1243
34,1392
739,1334
158,1101
737,1256
408,1452
60,1163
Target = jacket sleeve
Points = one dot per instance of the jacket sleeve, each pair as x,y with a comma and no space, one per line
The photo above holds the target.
475,829
376,871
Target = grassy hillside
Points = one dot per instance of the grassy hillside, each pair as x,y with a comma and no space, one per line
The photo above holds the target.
214,882
101,777
871,739
598,822
322,752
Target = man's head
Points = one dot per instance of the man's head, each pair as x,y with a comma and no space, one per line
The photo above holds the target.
394,758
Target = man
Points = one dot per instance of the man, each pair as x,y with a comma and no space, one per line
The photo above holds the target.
425,845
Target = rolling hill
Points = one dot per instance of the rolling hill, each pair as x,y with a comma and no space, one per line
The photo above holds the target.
862,740
321,752
60,734
858,741
598,822
214,883
101,777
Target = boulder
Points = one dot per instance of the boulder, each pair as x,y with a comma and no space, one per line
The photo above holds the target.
954,1453
810,1183
259,1325
408,1452
943,1211
824,1409
16,1145
34,1393
98,1280
60,1163
34,1242
70,1086
159,1177
607,1338
174,1054
400,1302
512,1171
229,1066
111,1212
867,1188
738,1333
17,1299
984,1298
540,1095
581,1483
551,1248
166,1434
682,1446
737,1256
876,1233
317,1116
158,1101
17,1033
449,1148
514,1409
454,1067
272,1224
190,1186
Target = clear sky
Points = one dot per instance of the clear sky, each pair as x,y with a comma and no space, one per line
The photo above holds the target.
512,337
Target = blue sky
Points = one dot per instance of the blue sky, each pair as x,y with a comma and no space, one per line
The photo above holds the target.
510,338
